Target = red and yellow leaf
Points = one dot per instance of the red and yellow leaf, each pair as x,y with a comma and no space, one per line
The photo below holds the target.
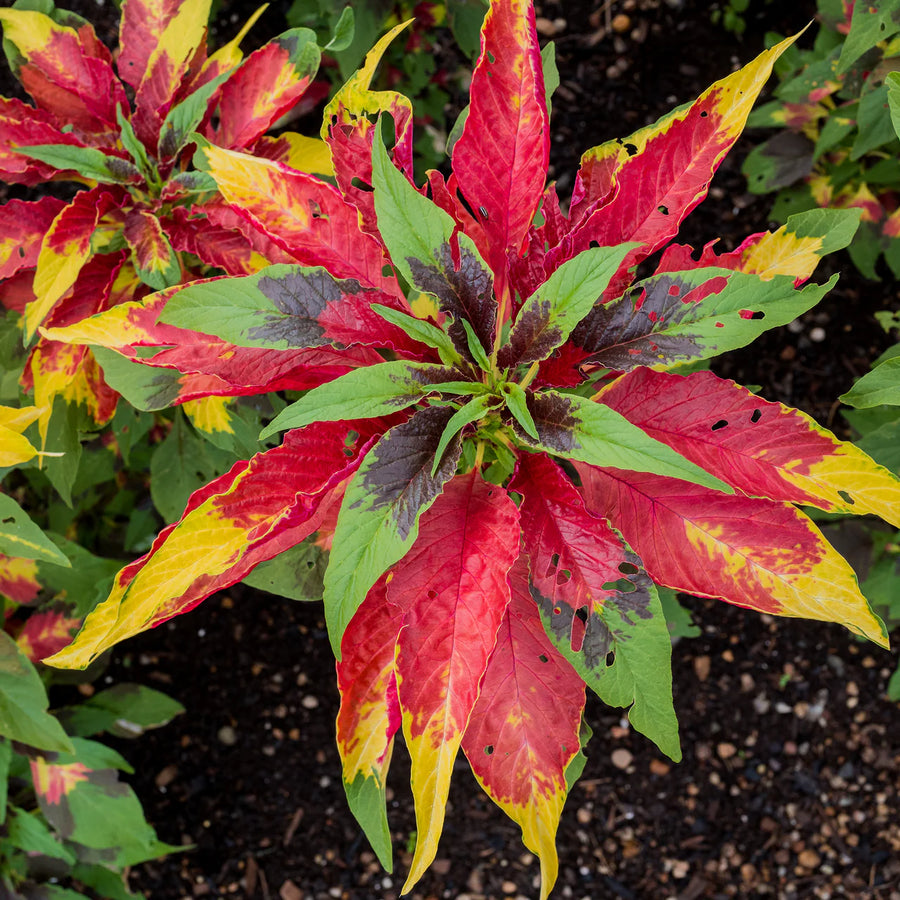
152,254
500,159
641,188
758,554
18,579
53,781
46,632
23,225
453,586
286,66
524,727
64,251
67,71
349,131
306,216
764,449
215,245
262,506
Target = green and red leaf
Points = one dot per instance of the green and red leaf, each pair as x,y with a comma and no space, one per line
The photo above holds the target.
524,728
453,586
151,253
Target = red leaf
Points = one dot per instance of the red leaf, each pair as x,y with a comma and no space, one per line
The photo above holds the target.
758,554
764,449
46,632
22,227
500,159
18,579
524,727
453,586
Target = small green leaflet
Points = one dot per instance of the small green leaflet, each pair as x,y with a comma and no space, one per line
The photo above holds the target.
876,388
23,702
136,150
420,330
471,412
475,348
186,116
362,394
893,89
343,32
87,161
517,404
19,536
576,428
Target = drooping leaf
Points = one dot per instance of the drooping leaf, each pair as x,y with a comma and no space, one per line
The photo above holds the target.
523,730
764,449
363,393
596,601
369,715
152,255
295,573
379,517
453,586
250,514
125,710
759,554
576,428
23,702
86,161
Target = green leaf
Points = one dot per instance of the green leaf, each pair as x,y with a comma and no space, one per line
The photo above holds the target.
590,432
550,71
475,346
343,32
548,316
182,464
182,119
23,702
363,393
878,387
5,761
517,404
466,18
471,412
104,881
883,444
678,617
420,330
366,798
86,161
136,150
124,710
296,573
27,832
871,23
413,228
893,89
66,421
875,128
147,388
19,536
85,584
379,517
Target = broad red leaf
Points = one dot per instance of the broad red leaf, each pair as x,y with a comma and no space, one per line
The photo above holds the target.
262,506
67,71
500,159
764,449
524,728
22,125
453,586
286,66
18,579
22,226
759,554
46,632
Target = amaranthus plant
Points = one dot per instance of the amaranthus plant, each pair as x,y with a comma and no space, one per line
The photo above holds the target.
515,458
835,146
144,221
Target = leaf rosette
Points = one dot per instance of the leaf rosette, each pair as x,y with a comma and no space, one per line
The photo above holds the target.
519,448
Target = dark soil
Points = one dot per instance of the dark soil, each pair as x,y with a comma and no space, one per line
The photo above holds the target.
789,784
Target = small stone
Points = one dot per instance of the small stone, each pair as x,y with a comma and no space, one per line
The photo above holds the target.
658,767
227,736
726,750
309,702
166,776
621,23
817,334
440,866
809,859
621,758
290,891
701,667
583,815
509,887
545,26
